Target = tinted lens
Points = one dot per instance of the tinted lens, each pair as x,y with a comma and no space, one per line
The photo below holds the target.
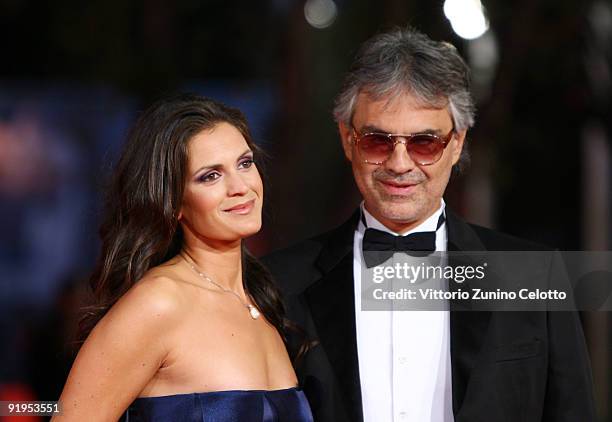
425,149
375,148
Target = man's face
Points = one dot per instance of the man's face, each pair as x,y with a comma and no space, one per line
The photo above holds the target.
400,193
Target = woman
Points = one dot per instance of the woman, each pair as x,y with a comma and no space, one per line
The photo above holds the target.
188,325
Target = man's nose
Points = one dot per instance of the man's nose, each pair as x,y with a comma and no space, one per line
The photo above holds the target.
399,161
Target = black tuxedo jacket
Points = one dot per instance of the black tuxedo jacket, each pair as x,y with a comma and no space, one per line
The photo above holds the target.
506,366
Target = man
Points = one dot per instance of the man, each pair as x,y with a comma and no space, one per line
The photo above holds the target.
402,116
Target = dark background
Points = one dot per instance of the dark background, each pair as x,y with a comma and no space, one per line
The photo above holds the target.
73,76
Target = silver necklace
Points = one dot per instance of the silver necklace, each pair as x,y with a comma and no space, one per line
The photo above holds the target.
253,311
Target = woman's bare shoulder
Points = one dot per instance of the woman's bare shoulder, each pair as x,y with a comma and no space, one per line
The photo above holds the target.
158,294
126,348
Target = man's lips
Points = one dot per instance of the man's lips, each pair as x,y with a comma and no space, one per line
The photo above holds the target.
398,188
243,208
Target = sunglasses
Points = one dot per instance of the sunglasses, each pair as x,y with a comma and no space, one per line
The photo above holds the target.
423,148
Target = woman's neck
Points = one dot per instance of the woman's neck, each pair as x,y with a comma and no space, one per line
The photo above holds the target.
222,262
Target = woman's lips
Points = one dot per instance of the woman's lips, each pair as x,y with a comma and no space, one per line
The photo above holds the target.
241,209
394,188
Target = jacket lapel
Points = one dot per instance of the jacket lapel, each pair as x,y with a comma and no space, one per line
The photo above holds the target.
332,306
468,328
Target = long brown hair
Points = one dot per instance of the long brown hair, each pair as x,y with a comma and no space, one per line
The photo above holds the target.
140,229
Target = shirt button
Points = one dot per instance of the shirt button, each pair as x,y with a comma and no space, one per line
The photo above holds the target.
402,360
402,415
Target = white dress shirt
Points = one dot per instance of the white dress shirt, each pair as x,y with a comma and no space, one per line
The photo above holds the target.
404,356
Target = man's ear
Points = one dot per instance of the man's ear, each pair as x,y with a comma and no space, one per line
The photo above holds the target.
346,138
457,145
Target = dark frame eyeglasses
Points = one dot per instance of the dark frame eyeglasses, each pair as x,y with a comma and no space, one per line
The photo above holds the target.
423,148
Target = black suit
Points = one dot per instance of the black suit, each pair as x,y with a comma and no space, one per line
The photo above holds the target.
506,366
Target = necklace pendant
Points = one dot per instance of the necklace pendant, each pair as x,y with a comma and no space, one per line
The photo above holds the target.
253,311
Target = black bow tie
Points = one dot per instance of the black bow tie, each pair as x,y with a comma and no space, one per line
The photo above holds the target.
379,246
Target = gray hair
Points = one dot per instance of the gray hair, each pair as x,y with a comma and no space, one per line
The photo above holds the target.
405,60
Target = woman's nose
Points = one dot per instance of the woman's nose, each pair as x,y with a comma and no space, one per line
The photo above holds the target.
236,185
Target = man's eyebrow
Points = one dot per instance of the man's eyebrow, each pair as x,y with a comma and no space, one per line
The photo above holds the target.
372,128
433,131
375,129
218,166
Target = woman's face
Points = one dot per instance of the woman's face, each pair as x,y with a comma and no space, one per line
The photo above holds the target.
223,192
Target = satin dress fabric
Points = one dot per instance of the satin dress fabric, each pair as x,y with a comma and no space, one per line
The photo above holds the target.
288,405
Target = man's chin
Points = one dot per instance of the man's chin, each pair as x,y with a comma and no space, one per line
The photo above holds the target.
404,211
401,209
402,220
399,216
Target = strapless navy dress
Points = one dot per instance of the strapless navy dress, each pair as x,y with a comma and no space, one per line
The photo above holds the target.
288,405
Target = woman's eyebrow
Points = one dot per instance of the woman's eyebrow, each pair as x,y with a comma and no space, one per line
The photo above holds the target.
218,166
208,167
247,152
